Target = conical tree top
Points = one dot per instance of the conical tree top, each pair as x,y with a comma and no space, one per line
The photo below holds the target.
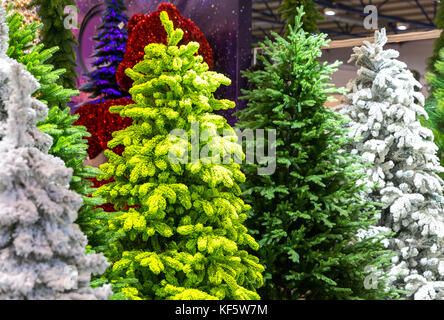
380,65
16,124
362,55
159,58
174,35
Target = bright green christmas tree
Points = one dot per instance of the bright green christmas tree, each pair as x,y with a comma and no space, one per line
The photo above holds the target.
289,12
181,232
313,226
69,143
57,32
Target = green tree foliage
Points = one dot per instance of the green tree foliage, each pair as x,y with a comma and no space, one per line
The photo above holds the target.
180,234
435,78
308,215
68,140
288,11
55,34
435,104
439,43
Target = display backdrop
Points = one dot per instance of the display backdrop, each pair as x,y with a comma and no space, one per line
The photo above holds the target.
225,23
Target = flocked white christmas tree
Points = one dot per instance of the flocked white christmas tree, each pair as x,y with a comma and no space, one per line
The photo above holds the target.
42,251
385,108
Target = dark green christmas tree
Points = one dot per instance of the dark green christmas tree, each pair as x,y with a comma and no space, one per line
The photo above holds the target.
57,32
439,43
69,143
289,12
180,234
435,104
308,216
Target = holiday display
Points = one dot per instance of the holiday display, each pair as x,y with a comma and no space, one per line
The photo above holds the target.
142,30
312,15
112,38
68,143
219,178
183,237
226,25
307,215
146,29
42,251
57,32
385,108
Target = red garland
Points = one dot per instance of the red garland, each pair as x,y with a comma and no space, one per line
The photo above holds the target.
146,29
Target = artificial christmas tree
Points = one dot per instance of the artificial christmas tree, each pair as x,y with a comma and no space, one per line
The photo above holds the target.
68,140
435,105
109,52
22,47
142,30
183,237
308,215
57,33
42,251
439,43
288,11
385,109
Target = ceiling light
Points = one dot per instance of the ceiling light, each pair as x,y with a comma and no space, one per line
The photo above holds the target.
329,12
402,26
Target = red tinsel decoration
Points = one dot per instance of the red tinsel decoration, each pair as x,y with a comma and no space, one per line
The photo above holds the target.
88,115
146,29
101,124
132,23
113,122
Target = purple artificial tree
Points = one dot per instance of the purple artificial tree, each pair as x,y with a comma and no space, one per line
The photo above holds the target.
109,52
